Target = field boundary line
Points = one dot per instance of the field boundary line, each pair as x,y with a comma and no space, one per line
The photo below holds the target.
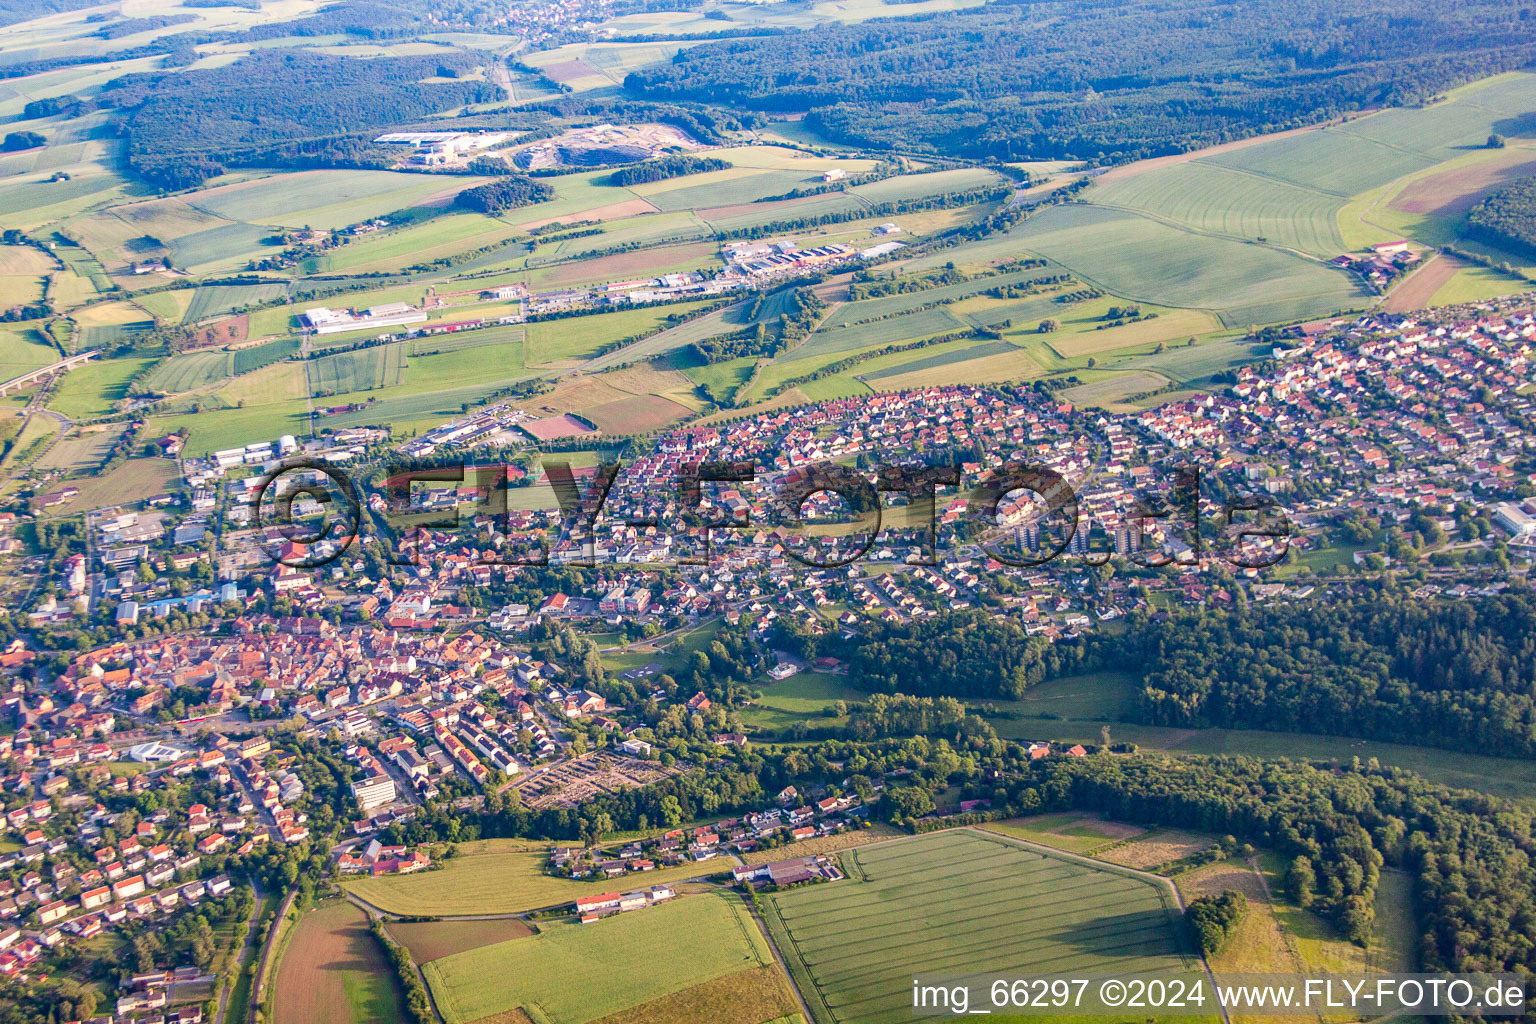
789,974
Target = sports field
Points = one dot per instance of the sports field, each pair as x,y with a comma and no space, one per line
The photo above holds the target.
572,973
494,876
971,902
334,972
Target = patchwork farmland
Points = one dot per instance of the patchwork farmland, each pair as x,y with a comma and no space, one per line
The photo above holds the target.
965,901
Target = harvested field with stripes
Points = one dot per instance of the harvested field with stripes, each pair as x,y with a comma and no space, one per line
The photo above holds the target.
970,902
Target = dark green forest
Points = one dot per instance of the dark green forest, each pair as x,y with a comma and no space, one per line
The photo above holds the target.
1507,218
664,168
186,127
1100,79
1389,667
504,193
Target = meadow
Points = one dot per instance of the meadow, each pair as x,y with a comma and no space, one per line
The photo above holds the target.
571,973
801,696
493,876
333,971
965,901
23,348
94,388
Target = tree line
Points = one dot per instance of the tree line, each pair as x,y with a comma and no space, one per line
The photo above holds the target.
1099,80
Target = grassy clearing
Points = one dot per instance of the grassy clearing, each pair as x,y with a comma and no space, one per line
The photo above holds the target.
953,901
494,876
799,697
573,973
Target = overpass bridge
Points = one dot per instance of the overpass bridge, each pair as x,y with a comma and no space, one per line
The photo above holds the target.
42,372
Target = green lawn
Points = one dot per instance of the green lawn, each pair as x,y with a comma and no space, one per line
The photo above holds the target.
797,698
573,973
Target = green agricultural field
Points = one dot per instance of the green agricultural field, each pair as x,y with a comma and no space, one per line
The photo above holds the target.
759,215
725,320
571,973
576,194
226,428
571,339
918,186
322,199
363,369
1187,364
842,340
212,300
95,388
889,305
187,371
229,245
191,370
727,188
492,877
510,337
971,902
23,349
958,356
1131,256
1216,200
436,238
27,203
167,305
1338,161
111,335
